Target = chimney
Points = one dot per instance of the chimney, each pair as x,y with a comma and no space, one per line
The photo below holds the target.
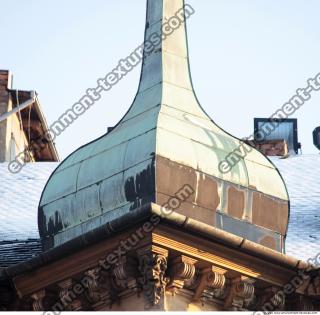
5,80
276,137
316,138
5,84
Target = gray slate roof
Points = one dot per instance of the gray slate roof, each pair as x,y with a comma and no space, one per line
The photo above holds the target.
302,176
20,194
19,198
15,251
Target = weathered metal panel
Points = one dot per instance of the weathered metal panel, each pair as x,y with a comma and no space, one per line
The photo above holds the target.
175,70
191,210
62,184
151,72
175,177
181,103
64,236
199,156
209,164
165,129
79,213
266,180
147,148
154,11
176,148
147,100
87,203
249,231
132,128
236,202
76,157
207,192
212,194
270,212
101,166
175,43
139,183
112,192
101,163
257,157
57,216
192,131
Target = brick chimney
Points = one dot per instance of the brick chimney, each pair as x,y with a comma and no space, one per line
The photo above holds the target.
5,80
5,84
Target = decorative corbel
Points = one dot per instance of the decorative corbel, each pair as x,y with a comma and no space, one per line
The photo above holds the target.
273,298
98,288
124,275
153,267
302,303
241,294
38,300
210,278
69,296
182,270
313,289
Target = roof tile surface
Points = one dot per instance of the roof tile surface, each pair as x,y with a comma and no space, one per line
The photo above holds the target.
19,199
302,176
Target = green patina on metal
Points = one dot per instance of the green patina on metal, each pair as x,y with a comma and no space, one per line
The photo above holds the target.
165,126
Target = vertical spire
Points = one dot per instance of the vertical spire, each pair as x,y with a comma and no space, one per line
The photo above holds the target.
165,76
166,49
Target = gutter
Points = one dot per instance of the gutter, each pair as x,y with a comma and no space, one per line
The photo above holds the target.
20,107
140,215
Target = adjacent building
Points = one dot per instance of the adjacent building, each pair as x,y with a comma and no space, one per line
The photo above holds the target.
22,125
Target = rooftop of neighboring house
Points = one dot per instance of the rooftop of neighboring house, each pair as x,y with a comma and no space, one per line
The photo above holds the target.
31,120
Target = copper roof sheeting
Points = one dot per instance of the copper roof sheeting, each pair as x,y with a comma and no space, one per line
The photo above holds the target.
165,125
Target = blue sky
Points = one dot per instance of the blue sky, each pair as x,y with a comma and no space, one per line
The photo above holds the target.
247,59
